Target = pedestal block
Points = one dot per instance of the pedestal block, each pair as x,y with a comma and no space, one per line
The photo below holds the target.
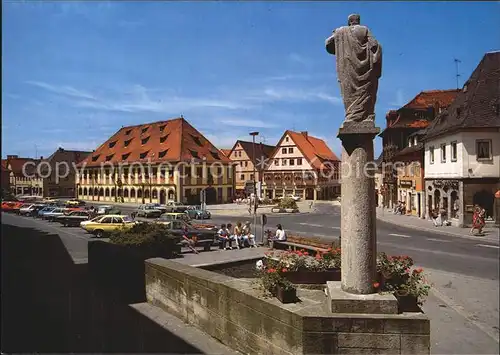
340,301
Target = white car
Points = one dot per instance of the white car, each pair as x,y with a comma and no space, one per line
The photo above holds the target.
26,210
51,216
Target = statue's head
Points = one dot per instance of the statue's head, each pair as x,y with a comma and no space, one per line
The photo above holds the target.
353,19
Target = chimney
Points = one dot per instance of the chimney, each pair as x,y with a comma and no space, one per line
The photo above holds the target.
304,133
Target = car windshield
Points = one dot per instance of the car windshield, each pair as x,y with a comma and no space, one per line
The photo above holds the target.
166,217
96,219
127,219
50,209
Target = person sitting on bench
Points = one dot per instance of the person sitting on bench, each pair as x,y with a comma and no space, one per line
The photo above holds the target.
223,236
231,236
188,242
248,237
237,235
280,233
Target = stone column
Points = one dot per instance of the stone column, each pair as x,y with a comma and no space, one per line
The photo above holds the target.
358,217
423,203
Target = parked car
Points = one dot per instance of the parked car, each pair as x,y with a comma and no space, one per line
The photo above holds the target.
167,217
11,206
74,218
196,212
158,207
293,197
101,226
31,210
56,212
45,210
104,210
75,203
175,207
148,211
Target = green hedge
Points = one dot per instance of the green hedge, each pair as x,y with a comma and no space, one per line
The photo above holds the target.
144,235
287,203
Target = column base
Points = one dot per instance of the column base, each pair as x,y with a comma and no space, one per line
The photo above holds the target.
340,301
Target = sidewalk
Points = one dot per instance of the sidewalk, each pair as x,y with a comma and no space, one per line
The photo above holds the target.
491,234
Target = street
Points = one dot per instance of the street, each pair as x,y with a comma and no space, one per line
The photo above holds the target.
463,305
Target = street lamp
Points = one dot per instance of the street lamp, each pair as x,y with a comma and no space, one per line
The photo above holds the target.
253,134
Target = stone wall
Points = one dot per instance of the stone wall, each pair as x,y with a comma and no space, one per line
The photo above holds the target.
234,312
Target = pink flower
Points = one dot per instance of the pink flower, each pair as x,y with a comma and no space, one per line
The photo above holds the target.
284,270
376,284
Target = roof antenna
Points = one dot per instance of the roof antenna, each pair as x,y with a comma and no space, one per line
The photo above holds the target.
456,70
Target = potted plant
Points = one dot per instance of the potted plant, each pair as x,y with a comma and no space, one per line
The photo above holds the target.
273,282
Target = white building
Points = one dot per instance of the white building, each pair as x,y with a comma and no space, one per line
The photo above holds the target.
462,148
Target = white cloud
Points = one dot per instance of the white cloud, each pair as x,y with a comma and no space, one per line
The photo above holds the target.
62,90
238,122
400,101
297,58
291,94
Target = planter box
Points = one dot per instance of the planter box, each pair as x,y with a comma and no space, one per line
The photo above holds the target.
291,210
407,303
285,296
277,210
312,277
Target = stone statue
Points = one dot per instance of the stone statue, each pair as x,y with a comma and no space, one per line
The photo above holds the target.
359,67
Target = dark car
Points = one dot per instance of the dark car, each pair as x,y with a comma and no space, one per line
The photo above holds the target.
73,219
180,227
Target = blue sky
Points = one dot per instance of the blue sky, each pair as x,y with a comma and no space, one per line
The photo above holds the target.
74,73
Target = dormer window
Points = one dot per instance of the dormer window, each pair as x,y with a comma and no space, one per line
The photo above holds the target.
162,128
109,157
95,157
215,155
144,130
144,140
127,142
125,156
194,153
112,144
144,155
197,140
163,153
128,132
164,138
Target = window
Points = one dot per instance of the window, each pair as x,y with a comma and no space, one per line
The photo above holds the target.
95,157
199,172
246,164
299,161
109,157
107,220
163,153
194,153
112,144
128,132
144,140
242,177
290,150
162,128
251,176
127,142
164,138
276,162
144,129
284,162
283,150
443,153
144,155
286,139
125,156
215,155
197,140
453,147
292,161
431,155
483,149
241,163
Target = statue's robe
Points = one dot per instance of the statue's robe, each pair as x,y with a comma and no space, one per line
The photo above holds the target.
359,66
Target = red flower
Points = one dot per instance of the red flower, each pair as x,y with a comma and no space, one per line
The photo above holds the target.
305,253
419,270
318,256
376,284
270,271
284,270
407,271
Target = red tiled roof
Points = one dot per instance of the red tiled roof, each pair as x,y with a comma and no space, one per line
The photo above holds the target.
173,140
226,152
478,103
432,98
16,165
262,150
314,149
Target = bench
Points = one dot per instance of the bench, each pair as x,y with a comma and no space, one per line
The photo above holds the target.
205,243
282,245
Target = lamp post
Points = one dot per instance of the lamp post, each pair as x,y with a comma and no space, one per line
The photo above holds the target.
253,134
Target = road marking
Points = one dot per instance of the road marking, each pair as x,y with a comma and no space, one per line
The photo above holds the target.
438,240
488,246
400,235
318,225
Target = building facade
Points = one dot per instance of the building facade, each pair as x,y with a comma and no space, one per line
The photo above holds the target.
5,176
246,163
462,148
24,179
303,166
59,172
154,163
410,175
400,124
